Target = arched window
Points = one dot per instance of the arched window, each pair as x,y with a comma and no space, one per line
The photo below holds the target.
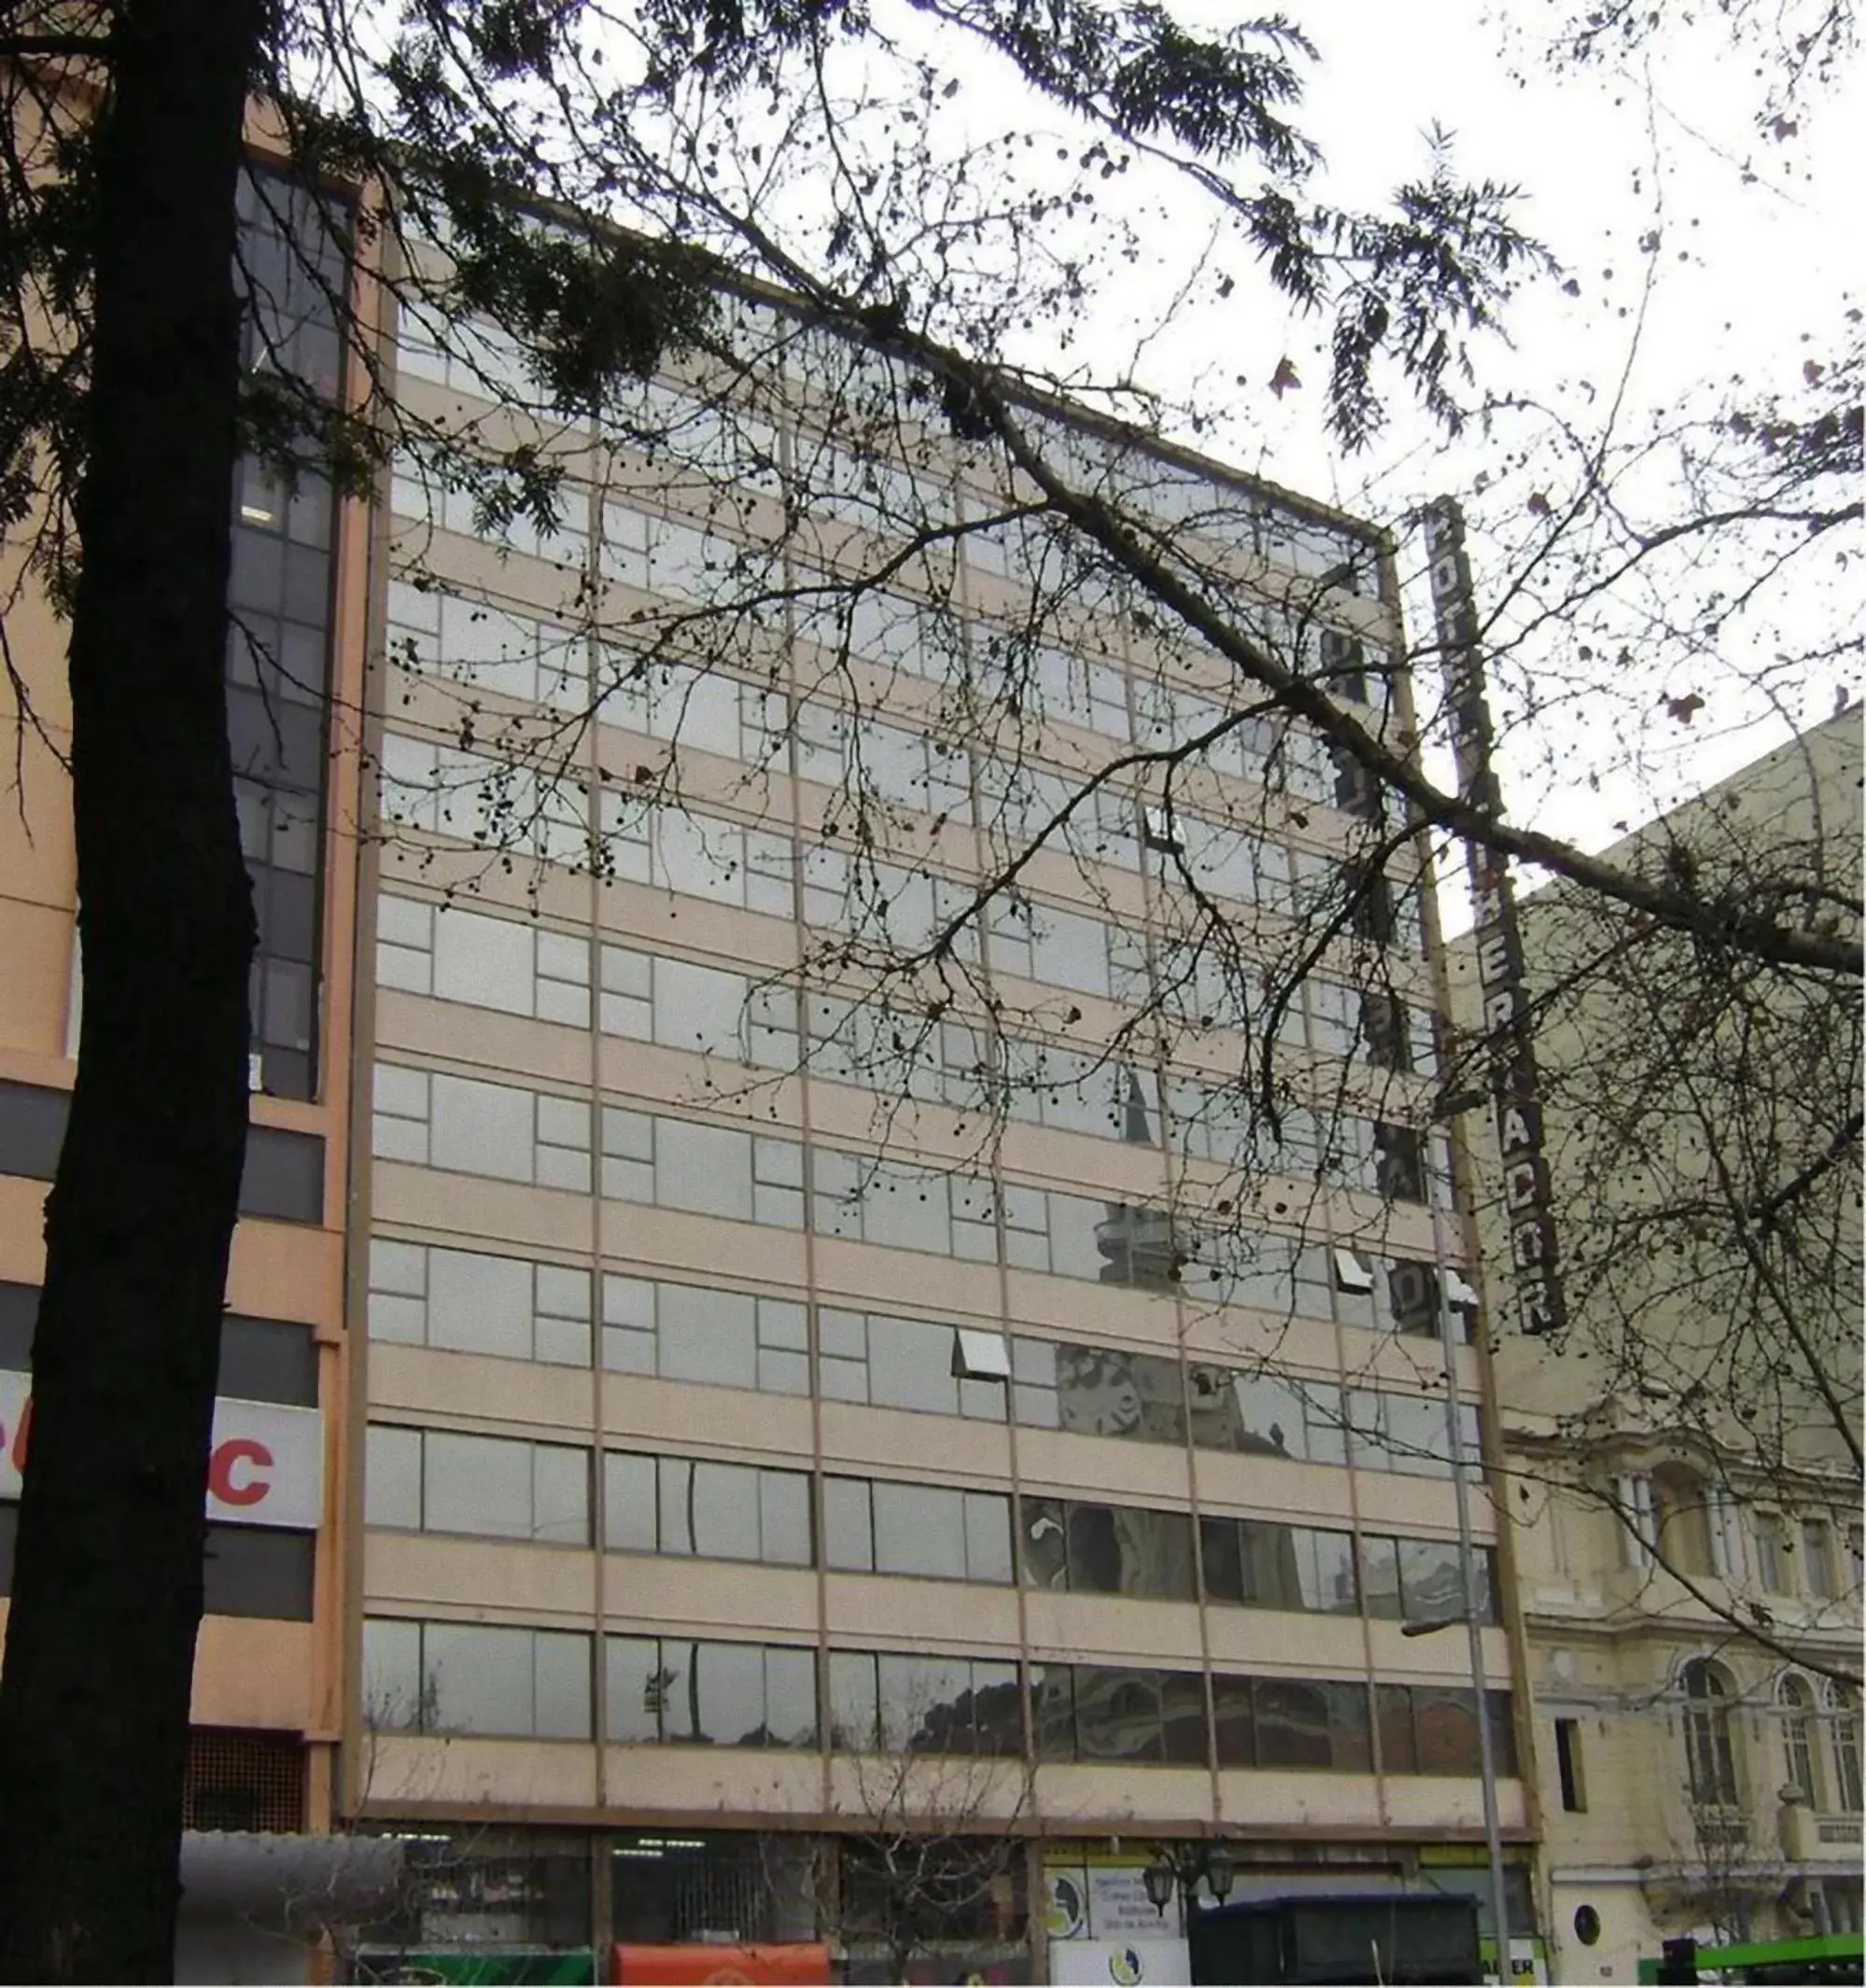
1710,1759
1843,1711
1797,1737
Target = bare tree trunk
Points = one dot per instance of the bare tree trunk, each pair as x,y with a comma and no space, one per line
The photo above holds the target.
108,1586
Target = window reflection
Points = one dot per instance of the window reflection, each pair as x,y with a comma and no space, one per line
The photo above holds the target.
1393,1709
1431,1579
1444,1730
1104,1390
902,1702
455,1677
898,1703
1118,1714
1046,1543
1267,1555
1107,1549
1053,1711
1034,1385
855,1706
922,1703
1263,1565
277,662
997,1709
1292,1724
711,1694
1379,1577
679,1692
1234,1721
1182,1706
1122,1550
1420,1580
1350,1737
1433,1730
1331,1588
1271,1417
879,1527
714,1511
1138,1246
1107,1712
1101,1391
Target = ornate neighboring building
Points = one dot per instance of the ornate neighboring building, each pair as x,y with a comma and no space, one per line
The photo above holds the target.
1683,1459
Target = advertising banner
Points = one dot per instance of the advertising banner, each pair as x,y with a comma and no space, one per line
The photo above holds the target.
266,1468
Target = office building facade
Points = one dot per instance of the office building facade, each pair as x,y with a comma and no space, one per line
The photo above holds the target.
788,1350
789,1422
270,1671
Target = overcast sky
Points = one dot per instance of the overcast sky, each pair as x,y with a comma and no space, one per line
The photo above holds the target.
1758,254
1733,256
1736,256
1773,255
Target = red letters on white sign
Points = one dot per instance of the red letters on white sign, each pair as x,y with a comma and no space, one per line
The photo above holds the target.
266,1466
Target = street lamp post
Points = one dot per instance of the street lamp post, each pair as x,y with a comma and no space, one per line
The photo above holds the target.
1499,1902
1493,1833
1180,1866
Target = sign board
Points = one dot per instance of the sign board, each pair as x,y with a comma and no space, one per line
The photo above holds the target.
1528,1961
1118,1905
1102,1899
1122,1962
1065,1901
266,1466
1534,1279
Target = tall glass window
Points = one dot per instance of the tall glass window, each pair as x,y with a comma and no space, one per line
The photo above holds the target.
1843,1711
1710,1758
1798,1725
291,266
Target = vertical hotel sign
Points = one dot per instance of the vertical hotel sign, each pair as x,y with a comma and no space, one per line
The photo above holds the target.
1509,1027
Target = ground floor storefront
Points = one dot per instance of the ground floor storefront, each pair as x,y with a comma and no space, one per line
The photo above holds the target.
505,1904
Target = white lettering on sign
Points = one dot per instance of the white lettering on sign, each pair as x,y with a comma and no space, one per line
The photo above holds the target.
266,1466
1507,1020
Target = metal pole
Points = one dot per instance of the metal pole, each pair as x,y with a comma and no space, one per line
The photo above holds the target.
1493,1834
1536,1304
